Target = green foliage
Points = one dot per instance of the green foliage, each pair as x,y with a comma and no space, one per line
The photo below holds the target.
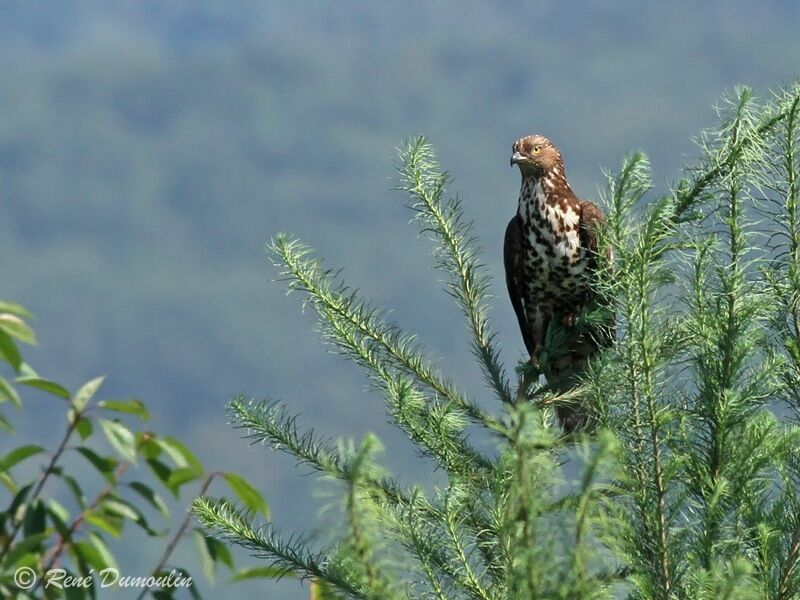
688,484
61,518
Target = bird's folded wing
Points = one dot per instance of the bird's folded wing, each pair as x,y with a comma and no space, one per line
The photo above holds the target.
592,218
514,266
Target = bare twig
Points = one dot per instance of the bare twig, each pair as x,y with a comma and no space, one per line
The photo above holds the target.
173,543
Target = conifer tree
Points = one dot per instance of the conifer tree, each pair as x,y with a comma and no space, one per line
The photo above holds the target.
689,478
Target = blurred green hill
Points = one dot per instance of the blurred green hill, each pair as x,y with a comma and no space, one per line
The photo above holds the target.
149,149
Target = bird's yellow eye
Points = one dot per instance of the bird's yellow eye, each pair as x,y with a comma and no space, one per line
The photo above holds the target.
537,149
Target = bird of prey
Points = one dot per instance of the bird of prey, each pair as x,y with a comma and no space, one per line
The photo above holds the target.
550,257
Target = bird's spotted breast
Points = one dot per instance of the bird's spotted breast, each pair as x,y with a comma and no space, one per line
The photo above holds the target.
554,261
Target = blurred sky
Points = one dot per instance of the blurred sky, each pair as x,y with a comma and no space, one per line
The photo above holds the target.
149,149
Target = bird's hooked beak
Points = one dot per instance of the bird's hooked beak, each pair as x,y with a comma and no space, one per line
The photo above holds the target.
516,158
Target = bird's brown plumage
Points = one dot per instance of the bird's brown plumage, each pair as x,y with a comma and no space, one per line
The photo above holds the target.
550,258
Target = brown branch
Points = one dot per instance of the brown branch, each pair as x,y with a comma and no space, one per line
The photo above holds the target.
49,470
173,543
58,549
791,562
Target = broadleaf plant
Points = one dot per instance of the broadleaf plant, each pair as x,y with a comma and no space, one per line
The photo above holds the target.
58,519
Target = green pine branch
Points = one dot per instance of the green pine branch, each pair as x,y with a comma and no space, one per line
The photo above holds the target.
689,485
336,305
456,252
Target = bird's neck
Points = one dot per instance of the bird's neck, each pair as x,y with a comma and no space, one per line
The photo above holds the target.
540,190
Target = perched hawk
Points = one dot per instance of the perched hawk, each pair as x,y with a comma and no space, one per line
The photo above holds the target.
550,256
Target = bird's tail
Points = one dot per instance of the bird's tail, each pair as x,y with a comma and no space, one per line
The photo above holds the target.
567,352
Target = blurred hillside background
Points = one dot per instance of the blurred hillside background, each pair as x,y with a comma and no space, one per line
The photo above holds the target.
149,149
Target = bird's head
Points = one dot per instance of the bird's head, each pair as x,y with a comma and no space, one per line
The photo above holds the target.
535,155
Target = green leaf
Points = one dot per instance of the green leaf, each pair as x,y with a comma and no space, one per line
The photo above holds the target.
220,552
78,593
51,387
248,495
257,573
102,550
8,392
84,428
106,521
18,455
24,546
133,407
152,498
91,553
179,453
9,351
86,392
73,485
119,507
35,520
5,424
179,477
59,516
120,438
8,481
206,560
15,309
104,464
17,328
162,472
146,443
19,500
25,370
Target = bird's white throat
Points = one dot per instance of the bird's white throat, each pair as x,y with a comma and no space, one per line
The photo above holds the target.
544,220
